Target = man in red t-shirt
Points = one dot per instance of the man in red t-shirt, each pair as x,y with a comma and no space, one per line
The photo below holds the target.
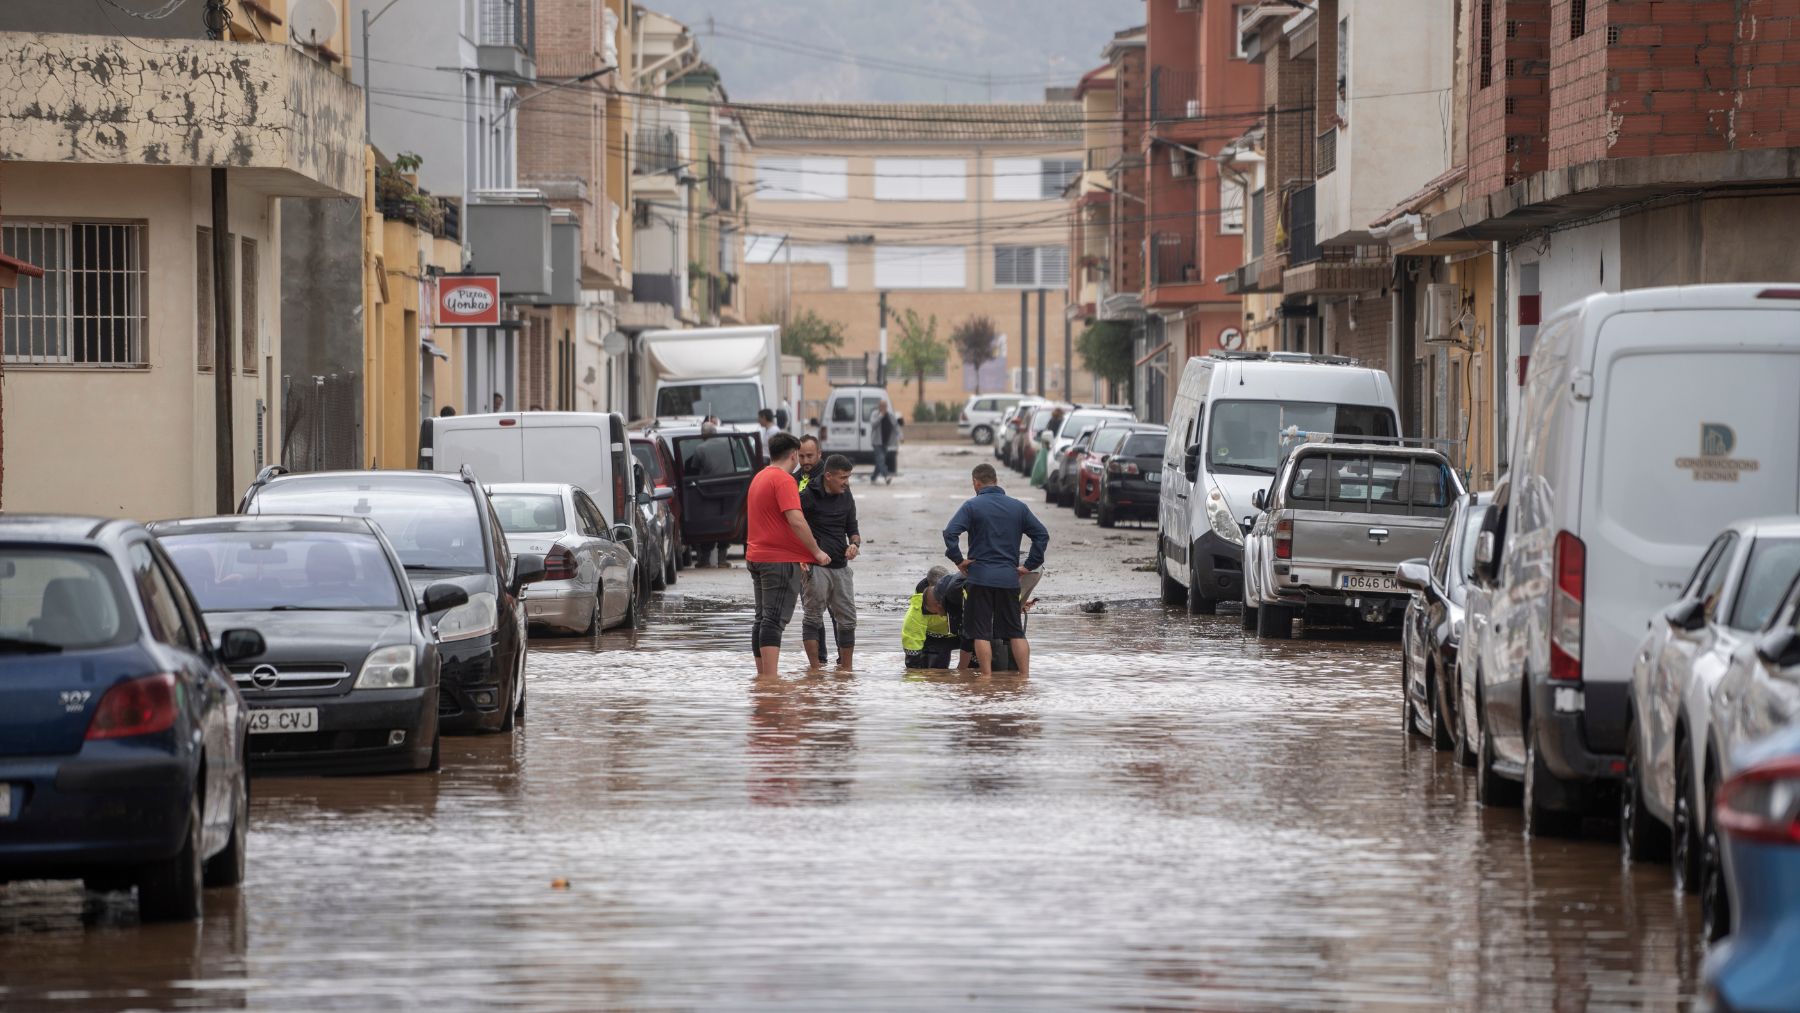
780,548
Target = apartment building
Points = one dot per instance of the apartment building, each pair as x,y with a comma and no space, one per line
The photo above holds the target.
111,325
950,211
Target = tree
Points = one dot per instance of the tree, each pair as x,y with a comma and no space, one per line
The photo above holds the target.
1105,349
975,339
920,352
811,337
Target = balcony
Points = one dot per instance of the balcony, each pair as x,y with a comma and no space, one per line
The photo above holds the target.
663,289
1340,270
1173,260
1303,224
1174,94
507,46
280,120
656,152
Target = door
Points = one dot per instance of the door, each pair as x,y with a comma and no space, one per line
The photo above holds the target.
570,449
715,480
841,423
601,563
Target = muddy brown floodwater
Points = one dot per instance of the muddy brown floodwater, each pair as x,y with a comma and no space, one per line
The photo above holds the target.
1170,814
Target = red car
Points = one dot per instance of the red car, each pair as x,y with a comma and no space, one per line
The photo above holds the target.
1122,475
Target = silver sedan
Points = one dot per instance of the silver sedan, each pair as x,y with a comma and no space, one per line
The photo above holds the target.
590,576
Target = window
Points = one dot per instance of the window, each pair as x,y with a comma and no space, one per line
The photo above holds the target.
921,267
244,571
1245,436
1486,30
1231,206
248,333
843,409
1709,590
205,317
1767,576
524,513
795,177
1031,266
69,598
1058,173
159,598
940,179
1343,70
839,371
1033,178
430,523
88,308
1577,18
1237,21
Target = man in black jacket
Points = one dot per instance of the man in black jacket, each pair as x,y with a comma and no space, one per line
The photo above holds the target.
830,511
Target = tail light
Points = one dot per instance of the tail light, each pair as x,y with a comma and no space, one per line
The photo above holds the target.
1117,467
965,415
559,564
1284,539
1762,803
1565,607
138,707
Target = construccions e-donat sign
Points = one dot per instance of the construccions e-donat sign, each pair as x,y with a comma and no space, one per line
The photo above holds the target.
467,300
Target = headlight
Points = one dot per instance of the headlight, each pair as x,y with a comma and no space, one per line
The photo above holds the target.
478,617
388,668
1218,514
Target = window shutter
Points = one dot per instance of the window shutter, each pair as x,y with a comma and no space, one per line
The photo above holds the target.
1018,178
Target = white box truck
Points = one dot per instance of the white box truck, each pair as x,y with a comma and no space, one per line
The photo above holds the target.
729,372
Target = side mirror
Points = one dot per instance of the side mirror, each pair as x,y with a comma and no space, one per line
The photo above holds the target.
643,498
1413,575
528,568
442,597
1485,563
661,493
1780,648
1259,499
238,645
624,534
1688,614
1190,463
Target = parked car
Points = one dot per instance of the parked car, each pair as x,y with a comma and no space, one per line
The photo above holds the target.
1759,823
348,680
845,427
1224,443
121,733
1059,480
1011,421
1337,523
1065,468
590,577
1431,633
444,530
981,415
1090,468
662,509
712,482
1643,442
1477,654
1758,696
1727,602
1031,432
1127,481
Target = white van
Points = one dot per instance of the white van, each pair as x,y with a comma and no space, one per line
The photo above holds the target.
585,449
845,428
1650,420
1224,444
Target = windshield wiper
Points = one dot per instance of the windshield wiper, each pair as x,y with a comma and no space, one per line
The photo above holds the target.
306,608
21,645
1260,469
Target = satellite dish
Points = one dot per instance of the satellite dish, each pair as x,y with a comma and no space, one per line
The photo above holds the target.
312,22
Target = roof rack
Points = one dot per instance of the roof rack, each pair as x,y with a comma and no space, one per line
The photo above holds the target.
1246,356
1305,436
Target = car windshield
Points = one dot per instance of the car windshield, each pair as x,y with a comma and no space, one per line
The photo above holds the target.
1075,422
259,571
1773,564
61,600
529,513
1145,445
431,523
737,401
1246,436
1106,441
1371,483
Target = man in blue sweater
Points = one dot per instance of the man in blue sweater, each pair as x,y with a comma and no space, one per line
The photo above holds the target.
994,522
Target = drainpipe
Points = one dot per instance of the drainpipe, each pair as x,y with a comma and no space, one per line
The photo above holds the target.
217,18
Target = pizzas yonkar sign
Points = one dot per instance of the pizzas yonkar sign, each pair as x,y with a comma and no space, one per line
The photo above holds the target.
467,300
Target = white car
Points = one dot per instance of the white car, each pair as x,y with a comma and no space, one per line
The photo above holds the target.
1074,424
980,418
590,576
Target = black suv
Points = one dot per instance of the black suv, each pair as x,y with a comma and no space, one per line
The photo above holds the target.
445,531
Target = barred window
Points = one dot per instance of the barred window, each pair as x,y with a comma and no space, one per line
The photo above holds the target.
1031,266
89,307
248,330
1058,173
840,371
1577,18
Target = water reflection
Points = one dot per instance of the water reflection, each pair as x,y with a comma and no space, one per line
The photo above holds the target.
802,739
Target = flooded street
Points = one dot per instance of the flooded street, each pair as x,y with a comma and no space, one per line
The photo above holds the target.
1169,814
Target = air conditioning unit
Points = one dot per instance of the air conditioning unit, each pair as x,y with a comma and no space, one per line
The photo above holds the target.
1443,314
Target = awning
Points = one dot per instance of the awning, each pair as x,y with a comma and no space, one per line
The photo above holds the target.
1158,350
428,345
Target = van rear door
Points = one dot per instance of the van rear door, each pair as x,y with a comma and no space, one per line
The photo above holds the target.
1360,514
1693,425
493,446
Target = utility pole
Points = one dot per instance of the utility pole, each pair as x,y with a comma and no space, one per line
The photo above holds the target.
1068,355
881,355
216,18
1040,293
1024,342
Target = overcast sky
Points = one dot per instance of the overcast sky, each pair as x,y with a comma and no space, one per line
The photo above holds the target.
901,50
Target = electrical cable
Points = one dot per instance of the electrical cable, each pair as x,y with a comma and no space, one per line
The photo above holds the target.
158,14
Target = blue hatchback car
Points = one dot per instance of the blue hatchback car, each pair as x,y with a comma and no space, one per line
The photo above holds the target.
1759,822
121,732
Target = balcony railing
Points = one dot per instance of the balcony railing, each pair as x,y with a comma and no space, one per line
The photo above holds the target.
1326,152
721,189
510,23
657,152
1172,259
1303,238
657,288
1174,94
1256,224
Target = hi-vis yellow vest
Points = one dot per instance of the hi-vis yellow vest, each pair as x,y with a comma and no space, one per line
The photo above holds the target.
919,625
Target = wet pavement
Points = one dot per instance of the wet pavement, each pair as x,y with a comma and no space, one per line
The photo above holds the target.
1169,815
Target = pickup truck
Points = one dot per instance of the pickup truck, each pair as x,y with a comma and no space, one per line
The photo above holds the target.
1336,524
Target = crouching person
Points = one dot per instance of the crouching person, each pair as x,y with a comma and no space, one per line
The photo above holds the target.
830,510
927,636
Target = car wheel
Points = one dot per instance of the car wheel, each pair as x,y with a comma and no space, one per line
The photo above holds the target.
1641,837
1274,622
1684,839
593,622
1408,721
1440,730
514,689
658,577
1462,748
227,867
1172,591
640,614
436,763
1540,819
671,572
1049,492
983,435
1083,509
169,890
1715,903
1491,789
1106,515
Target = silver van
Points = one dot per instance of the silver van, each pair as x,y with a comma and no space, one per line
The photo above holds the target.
1225,443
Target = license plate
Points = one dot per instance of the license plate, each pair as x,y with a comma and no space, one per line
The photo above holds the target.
1367,582
284,720
1156,476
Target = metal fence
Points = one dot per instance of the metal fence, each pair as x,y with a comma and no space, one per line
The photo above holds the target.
1174,94
662,288
1326,153
656,151
1172,259
320,430
510,23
